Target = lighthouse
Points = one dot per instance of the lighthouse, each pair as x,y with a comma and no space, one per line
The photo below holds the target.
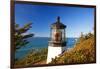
57,43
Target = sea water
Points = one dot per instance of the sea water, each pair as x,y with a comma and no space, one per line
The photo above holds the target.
39,42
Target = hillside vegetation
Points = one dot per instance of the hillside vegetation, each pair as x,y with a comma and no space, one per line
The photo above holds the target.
83,52
33,58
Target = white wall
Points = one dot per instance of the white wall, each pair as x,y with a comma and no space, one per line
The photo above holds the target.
54,52
5,34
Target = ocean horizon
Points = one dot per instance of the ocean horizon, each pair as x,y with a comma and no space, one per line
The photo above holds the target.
40,42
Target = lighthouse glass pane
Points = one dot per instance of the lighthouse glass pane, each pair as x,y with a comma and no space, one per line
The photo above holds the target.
52,35
63,37
57,34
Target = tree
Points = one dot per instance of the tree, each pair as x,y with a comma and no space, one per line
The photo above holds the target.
21,35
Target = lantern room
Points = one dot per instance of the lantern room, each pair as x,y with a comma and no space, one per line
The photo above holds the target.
57,33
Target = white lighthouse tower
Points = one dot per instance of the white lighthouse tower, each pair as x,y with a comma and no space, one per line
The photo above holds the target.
57,43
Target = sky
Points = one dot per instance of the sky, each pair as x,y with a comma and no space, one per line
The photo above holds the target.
77,19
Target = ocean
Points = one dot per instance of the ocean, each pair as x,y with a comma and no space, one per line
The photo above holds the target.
39,42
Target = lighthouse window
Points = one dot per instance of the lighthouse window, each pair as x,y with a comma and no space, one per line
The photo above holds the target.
58,36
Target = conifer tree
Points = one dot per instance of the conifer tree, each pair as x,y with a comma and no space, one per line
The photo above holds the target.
21,35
